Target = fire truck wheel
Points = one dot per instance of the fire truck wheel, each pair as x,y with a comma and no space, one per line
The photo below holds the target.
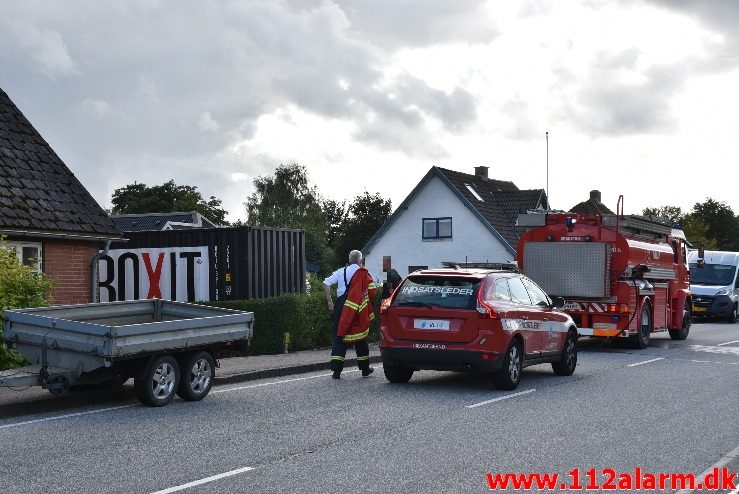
733,317
567,365
508,377
641,339
681,334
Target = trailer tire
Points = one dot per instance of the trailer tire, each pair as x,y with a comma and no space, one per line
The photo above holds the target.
641,338
508,377
682,333
158,384
197,373
566,366
733,316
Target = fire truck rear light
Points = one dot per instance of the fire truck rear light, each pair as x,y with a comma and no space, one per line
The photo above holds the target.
618,308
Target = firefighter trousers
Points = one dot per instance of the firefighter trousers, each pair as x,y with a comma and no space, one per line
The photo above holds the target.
339,348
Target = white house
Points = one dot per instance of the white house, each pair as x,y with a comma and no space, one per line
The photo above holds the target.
452,217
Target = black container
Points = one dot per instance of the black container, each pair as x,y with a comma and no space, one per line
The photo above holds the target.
204,264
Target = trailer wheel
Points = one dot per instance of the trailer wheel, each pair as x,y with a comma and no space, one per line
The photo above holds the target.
566,366
641,339
158,385
198,371
682,333
509,376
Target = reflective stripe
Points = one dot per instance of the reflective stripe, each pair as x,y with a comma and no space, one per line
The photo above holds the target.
366,357
372,316
336,357
351,305
371,286
358,336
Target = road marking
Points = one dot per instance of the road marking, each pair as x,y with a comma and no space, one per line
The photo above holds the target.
204,481
500,398
59,417
251,386
728,350
728,343
725,460
645,362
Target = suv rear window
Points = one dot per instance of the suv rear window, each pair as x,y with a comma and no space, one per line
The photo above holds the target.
438,291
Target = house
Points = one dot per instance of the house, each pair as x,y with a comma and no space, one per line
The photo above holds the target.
452,218
46,214
161,221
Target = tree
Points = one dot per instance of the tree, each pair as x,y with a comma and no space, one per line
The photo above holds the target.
671,213
696,231
20,287
721,223
366,214
288,200
169,197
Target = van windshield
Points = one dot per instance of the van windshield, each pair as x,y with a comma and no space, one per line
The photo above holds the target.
438,291
712,274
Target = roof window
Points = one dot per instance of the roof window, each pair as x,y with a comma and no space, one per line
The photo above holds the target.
474,192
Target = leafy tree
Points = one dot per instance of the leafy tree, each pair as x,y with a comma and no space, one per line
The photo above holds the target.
366,214
696,230
672,213
169,197
20,287
721,223
288,200
335,214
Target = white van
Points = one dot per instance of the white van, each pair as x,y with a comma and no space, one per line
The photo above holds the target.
714,284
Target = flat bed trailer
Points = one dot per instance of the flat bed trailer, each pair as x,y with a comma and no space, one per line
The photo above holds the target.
167,347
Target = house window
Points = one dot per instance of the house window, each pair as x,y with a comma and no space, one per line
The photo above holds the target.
28,253
436,228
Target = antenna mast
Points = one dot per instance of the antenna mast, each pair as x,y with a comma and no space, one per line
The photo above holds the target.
549,202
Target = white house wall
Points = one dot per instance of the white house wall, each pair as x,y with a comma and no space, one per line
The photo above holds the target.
471,240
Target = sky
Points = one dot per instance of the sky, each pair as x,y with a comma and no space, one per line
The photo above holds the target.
640,98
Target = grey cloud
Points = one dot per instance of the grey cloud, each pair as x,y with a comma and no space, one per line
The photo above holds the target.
133,85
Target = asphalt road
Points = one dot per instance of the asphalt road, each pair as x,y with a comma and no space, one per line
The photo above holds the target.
673,407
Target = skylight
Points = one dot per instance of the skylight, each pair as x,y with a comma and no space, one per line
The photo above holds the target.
474,192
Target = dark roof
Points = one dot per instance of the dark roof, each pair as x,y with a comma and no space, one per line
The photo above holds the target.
160,221
500,202
497,208
38,193
591,206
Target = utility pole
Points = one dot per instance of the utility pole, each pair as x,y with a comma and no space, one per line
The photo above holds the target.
549,202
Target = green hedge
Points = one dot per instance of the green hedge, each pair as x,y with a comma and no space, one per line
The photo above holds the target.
305,317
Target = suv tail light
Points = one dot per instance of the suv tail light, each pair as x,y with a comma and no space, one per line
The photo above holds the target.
485,310
385,304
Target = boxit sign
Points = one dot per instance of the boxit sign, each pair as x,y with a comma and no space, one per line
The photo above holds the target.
173,273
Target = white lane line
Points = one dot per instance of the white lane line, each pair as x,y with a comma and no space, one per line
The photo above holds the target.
204,481
59,417
251,386
645,362
500,398
725,460
728,343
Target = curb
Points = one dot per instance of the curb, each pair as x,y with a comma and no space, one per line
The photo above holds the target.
285,371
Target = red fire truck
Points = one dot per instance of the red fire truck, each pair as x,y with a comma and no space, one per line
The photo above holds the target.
620,276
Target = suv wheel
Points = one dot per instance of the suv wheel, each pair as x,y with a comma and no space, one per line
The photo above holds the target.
396,373
566,366
509,376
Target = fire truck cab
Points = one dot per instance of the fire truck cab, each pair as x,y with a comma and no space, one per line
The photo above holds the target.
620,276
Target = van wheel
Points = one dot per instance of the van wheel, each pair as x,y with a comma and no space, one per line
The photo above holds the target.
567,364
733,317
509,376
396,373
641,339
198,371
157,386
682,333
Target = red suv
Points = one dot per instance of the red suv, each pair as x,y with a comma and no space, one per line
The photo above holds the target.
474,320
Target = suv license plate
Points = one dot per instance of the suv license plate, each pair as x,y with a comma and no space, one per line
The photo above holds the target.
430,324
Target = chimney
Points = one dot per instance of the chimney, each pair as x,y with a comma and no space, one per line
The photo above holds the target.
482,172
595,196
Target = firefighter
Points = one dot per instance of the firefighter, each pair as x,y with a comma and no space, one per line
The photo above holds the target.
352,313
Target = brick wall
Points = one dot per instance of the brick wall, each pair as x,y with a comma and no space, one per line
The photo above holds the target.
68,263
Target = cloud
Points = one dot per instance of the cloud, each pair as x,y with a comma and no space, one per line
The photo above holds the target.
206,123
96,107
47,50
